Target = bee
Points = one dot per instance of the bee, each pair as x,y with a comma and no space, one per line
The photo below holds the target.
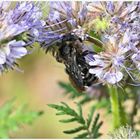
78,71
69,50
70,53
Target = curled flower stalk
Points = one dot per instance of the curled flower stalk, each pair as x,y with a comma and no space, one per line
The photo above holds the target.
18,29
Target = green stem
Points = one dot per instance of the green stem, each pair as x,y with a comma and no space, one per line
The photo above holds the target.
115,106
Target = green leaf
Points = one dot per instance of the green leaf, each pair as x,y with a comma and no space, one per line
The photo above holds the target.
89,132
60,113
79,109
95,122
83,135
96,126
6,108
68,120
95,133
74,130
69,90
74,94
90,116
86,99
11,117
66,110
98,135
65,104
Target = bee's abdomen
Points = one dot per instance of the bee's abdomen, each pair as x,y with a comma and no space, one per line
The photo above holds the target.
88,79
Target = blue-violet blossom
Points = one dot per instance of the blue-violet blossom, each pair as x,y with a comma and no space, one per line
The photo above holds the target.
121,41
18,28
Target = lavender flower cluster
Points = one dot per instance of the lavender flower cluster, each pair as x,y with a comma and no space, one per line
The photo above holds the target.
18,29
121,38
117,24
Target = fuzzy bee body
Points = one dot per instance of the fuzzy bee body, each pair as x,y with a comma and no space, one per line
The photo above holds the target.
78,73
70,52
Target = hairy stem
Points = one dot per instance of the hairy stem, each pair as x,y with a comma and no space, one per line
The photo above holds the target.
134,112
115,106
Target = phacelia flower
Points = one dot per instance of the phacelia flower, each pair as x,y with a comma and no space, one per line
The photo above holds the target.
121,41
136,59
66,17
108,66
18,27
120,17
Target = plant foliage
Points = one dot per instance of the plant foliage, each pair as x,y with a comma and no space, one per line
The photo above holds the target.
84,97
88,128
11,117
73,93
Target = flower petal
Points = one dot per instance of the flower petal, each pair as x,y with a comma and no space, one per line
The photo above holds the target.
113,77
2,57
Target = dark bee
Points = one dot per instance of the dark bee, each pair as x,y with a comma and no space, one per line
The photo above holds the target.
70,52
78,71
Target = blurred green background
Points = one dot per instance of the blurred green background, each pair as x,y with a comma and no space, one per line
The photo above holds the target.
38,86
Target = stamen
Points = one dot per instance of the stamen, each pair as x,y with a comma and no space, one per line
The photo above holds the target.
128,73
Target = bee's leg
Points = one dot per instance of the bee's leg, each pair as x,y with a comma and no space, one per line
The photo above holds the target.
87,52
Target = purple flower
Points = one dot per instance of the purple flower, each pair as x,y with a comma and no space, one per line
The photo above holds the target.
121,41
108,65
11,51
18,28
110,7
136,59
65,17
